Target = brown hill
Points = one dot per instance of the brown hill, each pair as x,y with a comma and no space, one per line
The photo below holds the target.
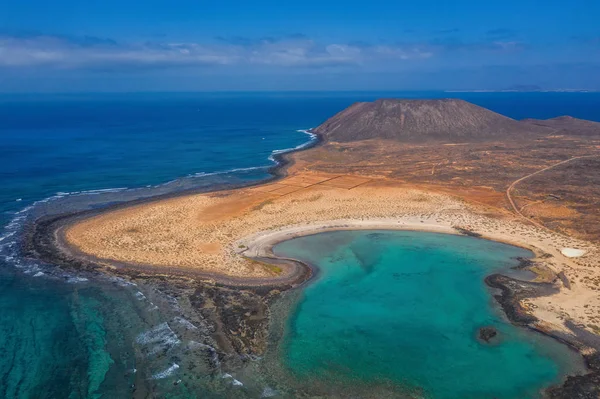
419,120
568,125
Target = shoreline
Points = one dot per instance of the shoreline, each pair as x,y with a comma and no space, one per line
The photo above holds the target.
507,305
259,247
45,240
512,290
42,238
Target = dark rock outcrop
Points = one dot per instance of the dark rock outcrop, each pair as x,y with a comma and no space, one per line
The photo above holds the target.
421,120
487,334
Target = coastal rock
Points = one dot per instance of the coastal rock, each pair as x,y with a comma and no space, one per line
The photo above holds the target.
487,334
512,291
240,317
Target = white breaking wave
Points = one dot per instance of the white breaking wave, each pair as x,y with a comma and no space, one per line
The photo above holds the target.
166,373
87,192
8,237
75,280
234,382
313,137
271,158
10,233
308,131
140,296
158,339
224,172
9,245
16,223
161,333
62,194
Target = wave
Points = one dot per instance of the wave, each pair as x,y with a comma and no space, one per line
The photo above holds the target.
9,236
10,233
140,296
160,338
313,137
271,158
159,342
204,174
308,131
234,382
75,280
166,373
9,248
61,194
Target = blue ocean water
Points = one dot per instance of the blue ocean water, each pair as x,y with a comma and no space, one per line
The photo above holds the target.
404,309
62,336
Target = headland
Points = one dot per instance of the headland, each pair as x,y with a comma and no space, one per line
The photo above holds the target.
441,165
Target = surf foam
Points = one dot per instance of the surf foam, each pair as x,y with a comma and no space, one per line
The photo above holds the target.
166,373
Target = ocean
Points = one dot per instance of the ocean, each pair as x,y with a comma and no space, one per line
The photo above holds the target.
66,335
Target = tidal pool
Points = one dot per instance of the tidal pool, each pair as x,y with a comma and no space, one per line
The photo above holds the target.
397,313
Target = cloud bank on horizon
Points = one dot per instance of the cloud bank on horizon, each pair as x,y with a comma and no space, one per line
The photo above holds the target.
64,52
383,44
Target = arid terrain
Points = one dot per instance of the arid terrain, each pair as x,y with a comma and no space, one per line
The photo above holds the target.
207,233
535,185
481,172
416,184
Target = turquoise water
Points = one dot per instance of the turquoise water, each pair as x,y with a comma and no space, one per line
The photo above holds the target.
404,309
64,335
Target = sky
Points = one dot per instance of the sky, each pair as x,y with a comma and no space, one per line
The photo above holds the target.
259,45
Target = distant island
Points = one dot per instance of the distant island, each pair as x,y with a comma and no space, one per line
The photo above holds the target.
525,89
442,166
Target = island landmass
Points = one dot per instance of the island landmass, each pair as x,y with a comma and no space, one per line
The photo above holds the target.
444,166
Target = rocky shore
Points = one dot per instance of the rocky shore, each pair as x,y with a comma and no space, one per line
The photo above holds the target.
235,311
237,317
512,292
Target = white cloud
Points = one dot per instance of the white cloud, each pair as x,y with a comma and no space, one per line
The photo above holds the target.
93,53
403,53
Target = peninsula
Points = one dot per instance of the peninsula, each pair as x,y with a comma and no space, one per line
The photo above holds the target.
443,166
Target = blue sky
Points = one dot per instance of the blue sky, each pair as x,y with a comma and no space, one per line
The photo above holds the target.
109,45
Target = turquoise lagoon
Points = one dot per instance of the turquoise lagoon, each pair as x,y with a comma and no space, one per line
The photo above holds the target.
397,313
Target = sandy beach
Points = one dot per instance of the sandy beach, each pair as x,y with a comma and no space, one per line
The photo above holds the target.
227,235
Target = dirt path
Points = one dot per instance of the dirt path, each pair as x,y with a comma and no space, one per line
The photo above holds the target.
509,189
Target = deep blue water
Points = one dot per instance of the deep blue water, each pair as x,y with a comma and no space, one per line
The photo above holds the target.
65,337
